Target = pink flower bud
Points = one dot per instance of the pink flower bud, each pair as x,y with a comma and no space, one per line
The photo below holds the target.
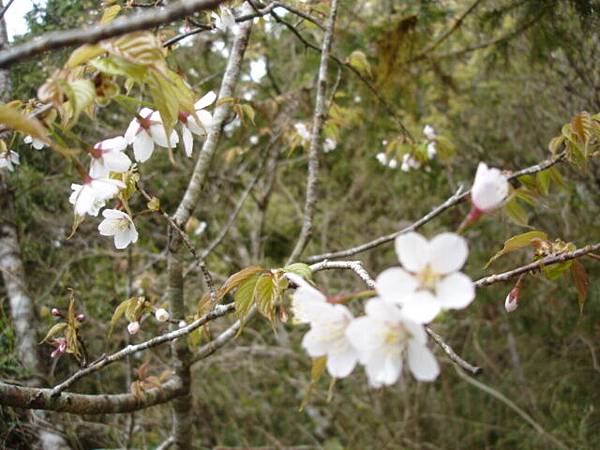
490,188
56,312
60,347
81,317
133,327
161,315
512,299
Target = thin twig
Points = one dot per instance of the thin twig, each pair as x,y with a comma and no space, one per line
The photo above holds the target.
455,357
455,199
10,2
199,258
315,142
218,311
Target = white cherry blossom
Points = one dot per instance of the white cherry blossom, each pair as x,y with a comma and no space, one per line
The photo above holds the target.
118,224
328,322
107,156
430,279
35,143
162,315
384,338
90,196
190,125
146,130
329,145
385,161
490,188
431,150
302,131
429,132
8,160
133,327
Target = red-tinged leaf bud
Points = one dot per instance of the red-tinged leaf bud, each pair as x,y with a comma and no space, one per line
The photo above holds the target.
133,327
81,317
161,315
56,312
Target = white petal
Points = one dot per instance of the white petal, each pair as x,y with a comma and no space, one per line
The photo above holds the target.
117,161
416,331
315,343
447,253
206,120
342,362
107,227
192,124
365,336
413,251
188,141
456,291
421,362
114,214
123,238
395,284
383,310
206,100
85,201
159,136
422,307
98,169
384,369
116,144
132,131
490,188
143,146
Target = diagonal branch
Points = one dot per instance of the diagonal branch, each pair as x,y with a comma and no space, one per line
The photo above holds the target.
454,200
90,35
315,142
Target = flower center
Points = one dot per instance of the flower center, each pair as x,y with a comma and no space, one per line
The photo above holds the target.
122,224
428,278
183,116
396,335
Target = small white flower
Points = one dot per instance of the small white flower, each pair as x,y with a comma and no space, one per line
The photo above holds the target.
161,315
382,158
302,131
327,335
146,130
107,156
90,196
429,132
329,145
201,228
384,337
392,164
133,327
190,125
253,140
8,160
430,279
118,224
182,324
490,188
35,143
431,150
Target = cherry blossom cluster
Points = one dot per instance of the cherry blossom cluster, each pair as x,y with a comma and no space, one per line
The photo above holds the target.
305,134
108,157
409,160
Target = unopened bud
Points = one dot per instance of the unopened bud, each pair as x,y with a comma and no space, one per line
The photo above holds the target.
133,327
56,312
81,317
512,299
161,315
182,324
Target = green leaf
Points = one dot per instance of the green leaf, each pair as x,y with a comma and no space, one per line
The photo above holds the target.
581,281
83,54
299,269
244,296
359,61
555,271
15,120
119,67
56,329
141,47
515,212
264,295
81,94
517,242
316,372
543,181
119,312
110,13
237,279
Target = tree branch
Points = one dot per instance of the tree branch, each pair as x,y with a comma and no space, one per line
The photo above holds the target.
315,142
90,35
454,200
36,398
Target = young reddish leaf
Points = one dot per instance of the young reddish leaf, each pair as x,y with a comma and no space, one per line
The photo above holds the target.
581,281
56,329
